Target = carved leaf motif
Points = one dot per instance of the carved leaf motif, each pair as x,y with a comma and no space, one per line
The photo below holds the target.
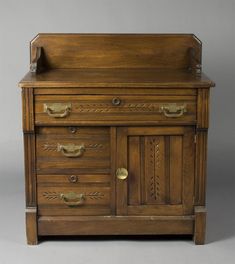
50,195
53,147
155,163
129,107
49,147
90,195
95,195
96,145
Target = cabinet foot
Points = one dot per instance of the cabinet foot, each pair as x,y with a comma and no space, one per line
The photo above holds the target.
200,225
31,226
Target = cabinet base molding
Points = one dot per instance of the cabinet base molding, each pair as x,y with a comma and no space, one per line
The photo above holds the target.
115,225
200,225
31,226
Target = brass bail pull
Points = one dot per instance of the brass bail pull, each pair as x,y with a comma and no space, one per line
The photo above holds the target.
173,110
72,199
71,150
57,110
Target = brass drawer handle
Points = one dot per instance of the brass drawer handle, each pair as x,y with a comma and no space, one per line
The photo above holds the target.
116,101
173,110
57,110
72,199
121,173
71,150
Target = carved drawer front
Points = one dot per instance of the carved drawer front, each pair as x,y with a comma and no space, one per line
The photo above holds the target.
57,109
72,150
79,200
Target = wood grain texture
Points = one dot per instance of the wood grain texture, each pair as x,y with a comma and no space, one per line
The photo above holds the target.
121,162
200,225
134,170
99,225
203,108
160,162
96,142
31,226
188,171
115,50
113,158
101,108
196,56
28,110
176,169
114,91
118,78
73,179
30,165
201,167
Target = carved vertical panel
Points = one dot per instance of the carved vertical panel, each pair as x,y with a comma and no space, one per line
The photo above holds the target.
155,180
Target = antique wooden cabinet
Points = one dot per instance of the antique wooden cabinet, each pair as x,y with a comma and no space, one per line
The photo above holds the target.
115,135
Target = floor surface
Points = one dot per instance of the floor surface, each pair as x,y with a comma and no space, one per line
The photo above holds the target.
220,247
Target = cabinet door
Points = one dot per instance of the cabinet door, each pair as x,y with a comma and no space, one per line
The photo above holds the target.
160,165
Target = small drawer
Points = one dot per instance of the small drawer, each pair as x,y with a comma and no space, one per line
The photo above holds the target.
84,200
66,109
72,150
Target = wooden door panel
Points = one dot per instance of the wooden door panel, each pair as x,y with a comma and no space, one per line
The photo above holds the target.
134,177
160,162
176,169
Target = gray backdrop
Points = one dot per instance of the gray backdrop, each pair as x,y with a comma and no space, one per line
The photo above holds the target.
211,20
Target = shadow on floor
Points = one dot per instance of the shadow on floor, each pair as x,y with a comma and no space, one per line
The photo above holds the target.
135,238
220,214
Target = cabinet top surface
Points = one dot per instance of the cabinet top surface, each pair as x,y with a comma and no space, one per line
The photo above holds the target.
116,78
115,60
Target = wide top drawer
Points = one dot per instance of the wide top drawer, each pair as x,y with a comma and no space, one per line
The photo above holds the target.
78,109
